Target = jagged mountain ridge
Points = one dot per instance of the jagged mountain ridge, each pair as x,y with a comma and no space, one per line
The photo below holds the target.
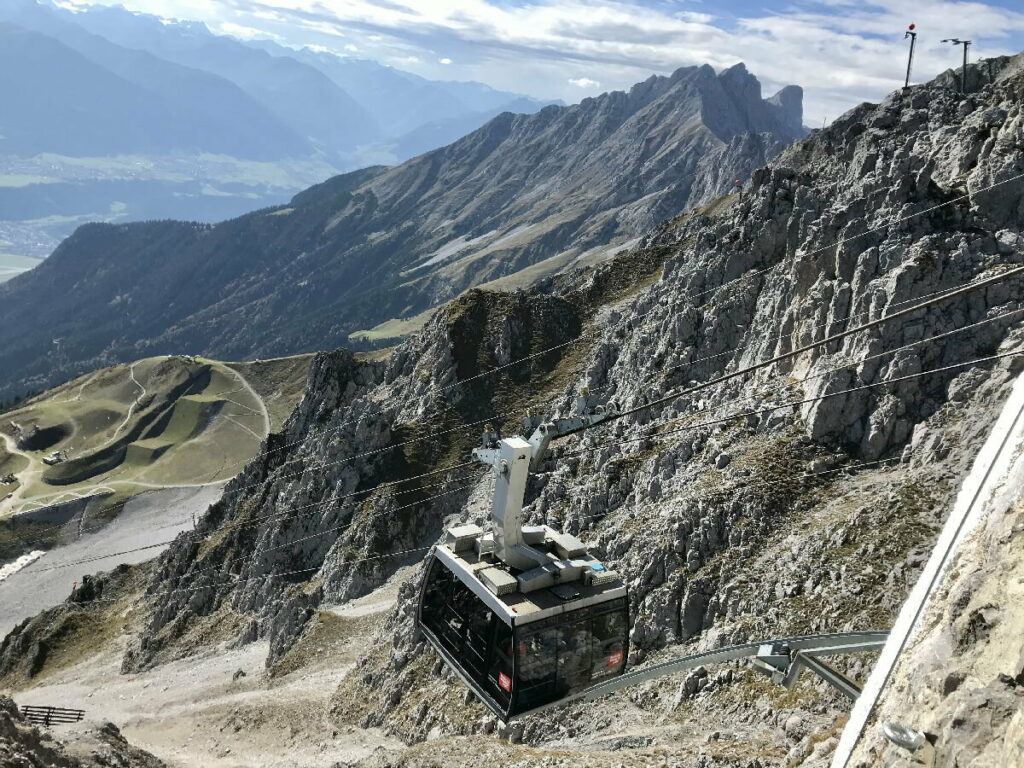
563,184
726,532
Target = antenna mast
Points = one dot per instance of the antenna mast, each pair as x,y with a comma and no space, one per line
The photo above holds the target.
966,44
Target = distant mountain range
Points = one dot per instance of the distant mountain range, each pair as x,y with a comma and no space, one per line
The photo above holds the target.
521,198
149,102
111,100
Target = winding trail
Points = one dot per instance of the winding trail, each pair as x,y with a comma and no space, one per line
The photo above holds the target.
30,473
256,396
133,406
18,503
242,426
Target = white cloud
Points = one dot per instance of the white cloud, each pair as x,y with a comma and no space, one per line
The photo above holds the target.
244,32
584,82
841,52
352,48
445,60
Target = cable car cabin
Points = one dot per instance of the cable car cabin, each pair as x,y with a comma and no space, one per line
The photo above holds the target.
524,639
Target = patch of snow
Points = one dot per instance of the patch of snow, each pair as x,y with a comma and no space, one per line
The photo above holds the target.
512,233
12,568
454,247
605,252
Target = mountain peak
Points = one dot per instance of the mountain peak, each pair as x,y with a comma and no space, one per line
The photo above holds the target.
394,243
740,68
789,106
738,80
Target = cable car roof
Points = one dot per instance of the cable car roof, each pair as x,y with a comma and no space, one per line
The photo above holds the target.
508,601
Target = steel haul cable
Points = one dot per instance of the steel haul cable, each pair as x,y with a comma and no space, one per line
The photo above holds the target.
685,392
286,515
688,427
238,579
499,417
949,294
806,348
171,541
807,400
952,293
745,276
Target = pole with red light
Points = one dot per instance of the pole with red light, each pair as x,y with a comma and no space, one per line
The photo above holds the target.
910,61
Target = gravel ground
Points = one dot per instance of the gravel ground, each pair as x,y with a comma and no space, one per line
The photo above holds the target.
220,708
146,519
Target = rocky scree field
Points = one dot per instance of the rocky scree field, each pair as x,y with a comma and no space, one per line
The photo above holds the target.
733,514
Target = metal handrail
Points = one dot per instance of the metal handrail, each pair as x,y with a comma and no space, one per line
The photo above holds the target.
818,645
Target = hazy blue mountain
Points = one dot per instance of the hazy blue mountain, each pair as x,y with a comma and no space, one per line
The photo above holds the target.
160,106
91,110
402,102
479,96
444,131
300,95
111,115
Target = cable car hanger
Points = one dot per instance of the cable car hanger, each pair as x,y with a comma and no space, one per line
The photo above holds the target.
528,619
524,615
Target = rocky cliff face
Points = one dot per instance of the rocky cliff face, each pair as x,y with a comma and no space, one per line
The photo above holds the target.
539,191
800,498
732,513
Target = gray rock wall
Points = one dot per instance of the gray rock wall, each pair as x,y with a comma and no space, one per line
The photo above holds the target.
736,530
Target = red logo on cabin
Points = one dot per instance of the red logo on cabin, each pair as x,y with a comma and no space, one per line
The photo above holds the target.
504,682
615,659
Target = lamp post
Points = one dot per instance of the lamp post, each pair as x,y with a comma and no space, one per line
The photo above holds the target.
910,60
966,44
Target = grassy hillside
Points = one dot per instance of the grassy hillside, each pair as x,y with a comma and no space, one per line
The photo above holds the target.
156,423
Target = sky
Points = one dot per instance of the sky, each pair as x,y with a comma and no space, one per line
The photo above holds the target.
842,52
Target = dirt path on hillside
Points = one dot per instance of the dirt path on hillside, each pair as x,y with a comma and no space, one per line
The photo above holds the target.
31,473
244,383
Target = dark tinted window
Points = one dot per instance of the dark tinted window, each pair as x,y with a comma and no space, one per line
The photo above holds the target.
537,662
574,641
479,642
499,672
610,633
569,653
